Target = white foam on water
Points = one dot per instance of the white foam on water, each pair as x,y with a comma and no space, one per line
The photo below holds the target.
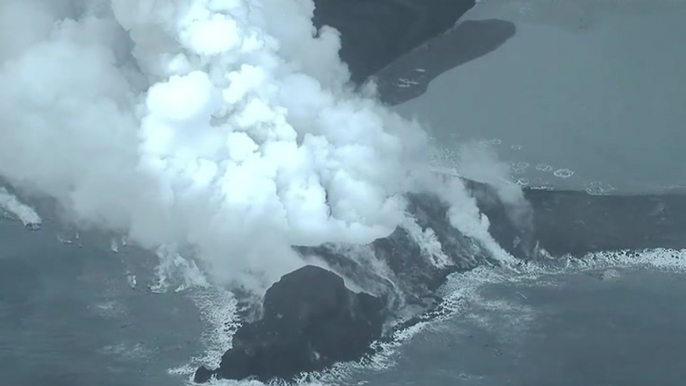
544,168
522,182
407,83
219,312
129,351
563,173
64,240
506,318
15,208
599,188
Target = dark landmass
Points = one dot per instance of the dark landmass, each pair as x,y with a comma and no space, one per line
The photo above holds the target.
409,76
310,321
376,32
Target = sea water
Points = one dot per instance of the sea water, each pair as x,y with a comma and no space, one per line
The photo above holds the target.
587,94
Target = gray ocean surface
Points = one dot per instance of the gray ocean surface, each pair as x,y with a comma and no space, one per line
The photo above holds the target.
70,316
594,86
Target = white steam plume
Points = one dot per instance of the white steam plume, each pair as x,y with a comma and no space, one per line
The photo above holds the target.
18,209
222,125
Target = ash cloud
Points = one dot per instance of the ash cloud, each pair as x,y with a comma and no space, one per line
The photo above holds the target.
225,127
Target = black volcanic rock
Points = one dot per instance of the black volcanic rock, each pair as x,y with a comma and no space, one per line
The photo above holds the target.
310,321
376,32
203,374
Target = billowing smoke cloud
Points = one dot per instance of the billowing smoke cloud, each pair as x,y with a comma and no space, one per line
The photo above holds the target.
480,163
226,126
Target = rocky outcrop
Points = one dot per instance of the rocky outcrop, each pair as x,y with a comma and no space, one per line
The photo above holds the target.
310,321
